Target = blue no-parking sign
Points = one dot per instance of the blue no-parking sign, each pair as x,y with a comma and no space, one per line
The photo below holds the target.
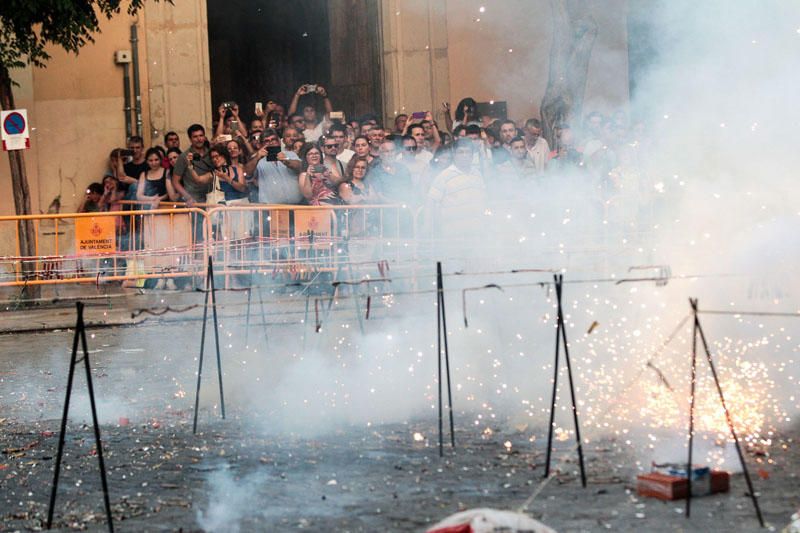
15,129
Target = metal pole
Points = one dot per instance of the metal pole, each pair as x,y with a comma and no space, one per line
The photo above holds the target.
553,397
137,91
446,356
216,334
126,78
559,290
439,353
357,293
80,332
62,433
247,320
693,303
749,481
305,322
263,315
98,442
200,365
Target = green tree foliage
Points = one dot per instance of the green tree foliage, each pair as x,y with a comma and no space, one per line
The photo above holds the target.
28,26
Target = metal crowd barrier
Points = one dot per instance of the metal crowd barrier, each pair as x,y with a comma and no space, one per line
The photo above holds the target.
284,241
112,246
287,243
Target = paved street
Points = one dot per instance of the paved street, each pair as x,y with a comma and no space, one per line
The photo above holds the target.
271,465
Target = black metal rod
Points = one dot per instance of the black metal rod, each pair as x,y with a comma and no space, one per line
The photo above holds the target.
247,320
553,397
559,292
96,424
439,353
693,303
216,335
62,433
446,356
200,363
263,315
747,478
305,322
326,315
356,298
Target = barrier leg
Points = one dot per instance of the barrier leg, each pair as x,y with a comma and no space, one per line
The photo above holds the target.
247,319
263,315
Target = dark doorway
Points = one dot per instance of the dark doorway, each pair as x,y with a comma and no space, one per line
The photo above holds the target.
268,48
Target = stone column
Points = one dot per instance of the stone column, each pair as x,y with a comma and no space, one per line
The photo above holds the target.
178,67
415,65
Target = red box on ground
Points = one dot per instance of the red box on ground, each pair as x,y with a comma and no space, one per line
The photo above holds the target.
661,486
720,481
664,487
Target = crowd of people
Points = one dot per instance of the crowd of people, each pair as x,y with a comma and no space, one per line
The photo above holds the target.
309,154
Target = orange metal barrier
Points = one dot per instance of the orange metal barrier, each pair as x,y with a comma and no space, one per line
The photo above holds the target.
294,242
118,245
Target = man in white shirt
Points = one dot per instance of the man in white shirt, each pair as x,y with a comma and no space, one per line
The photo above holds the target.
338,132
538,149
418,132
418,168
275,172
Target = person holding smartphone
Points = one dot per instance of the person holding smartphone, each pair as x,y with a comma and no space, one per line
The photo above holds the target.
319,187
229,122
91,200
314,127
228,174
275,172
191,173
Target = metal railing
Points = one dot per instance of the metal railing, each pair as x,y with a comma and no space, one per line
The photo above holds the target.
145,243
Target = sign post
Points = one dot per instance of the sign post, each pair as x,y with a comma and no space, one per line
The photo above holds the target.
15,133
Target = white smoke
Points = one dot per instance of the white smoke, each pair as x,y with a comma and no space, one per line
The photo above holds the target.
231,500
